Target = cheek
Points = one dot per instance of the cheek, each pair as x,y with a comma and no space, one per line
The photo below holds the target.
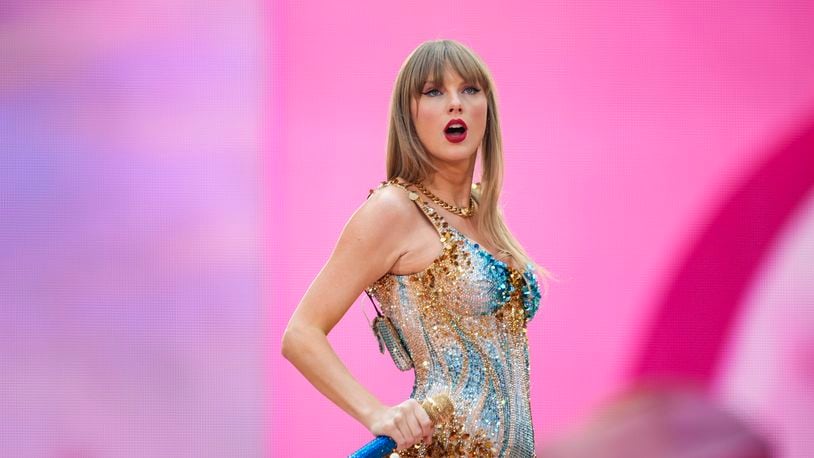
479,113
480,109
422,121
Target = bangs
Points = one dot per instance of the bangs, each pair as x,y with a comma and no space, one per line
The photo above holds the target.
434,57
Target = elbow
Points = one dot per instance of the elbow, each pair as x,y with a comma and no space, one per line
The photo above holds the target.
287,344
299,341
293,341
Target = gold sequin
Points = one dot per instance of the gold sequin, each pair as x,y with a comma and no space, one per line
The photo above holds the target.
464,318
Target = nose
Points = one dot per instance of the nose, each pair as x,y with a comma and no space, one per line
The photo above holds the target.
455,104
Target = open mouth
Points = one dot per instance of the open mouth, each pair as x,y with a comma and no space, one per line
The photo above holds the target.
455,131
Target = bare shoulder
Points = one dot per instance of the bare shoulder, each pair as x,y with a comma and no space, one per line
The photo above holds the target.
390,202
388,211
383,221
371,242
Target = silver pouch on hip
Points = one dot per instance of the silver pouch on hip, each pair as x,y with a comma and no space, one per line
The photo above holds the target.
388,337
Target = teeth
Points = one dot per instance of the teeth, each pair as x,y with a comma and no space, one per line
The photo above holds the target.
455,125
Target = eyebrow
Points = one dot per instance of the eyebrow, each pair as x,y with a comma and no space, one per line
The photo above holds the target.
462,82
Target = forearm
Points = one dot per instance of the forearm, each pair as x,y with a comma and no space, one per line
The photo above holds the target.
311,353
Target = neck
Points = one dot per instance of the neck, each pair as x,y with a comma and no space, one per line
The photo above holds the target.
452,185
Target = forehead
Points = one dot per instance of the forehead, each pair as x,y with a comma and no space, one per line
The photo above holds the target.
448,75
447,72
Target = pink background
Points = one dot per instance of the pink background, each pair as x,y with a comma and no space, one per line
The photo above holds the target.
131,321
173,174
629,128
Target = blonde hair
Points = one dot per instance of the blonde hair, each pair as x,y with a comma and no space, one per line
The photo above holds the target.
407,158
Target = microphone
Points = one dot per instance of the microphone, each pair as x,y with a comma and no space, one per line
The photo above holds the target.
439,408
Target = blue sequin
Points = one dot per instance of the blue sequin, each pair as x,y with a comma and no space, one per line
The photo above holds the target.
464,320
497,271
454,360
531,292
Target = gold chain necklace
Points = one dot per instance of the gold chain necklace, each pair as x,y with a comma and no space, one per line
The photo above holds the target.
464,212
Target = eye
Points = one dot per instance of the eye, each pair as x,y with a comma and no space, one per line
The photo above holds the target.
473,90
431,91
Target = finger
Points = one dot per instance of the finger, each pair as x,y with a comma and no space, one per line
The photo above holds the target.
415,427
427,439
425,421
401,441
391,430
403,431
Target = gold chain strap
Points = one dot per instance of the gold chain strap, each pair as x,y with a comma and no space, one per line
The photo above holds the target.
464,212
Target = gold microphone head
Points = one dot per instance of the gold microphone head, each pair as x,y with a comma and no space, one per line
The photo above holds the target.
439,408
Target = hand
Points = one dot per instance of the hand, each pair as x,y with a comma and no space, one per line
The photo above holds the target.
406,423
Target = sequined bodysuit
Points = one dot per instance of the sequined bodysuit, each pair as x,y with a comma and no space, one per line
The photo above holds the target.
463,321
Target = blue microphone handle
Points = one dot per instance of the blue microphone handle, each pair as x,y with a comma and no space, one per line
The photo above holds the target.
377,448
439,408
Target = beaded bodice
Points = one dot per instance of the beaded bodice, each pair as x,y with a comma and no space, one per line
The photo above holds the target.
463,322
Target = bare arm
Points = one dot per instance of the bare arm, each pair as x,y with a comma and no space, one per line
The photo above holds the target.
368,247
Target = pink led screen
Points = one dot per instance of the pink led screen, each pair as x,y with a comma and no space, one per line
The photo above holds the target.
659,160
130,265
173,175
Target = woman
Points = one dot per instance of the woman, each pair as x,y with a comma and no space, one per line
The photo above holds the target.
458,308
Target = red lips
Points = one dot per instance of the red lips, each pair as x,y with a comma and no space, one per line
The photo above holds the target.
455,130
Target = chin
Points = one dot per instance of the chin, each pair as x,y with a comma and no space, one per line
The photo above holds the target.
454,156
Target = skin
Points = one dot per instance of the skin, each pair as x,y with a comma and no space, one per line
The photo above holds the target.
387,233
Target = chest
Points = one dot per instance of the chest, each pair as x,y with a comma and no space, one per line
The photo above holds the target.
468,281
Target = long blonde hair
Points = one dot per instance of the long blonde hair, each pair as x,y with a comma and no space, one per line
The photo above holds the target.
407,158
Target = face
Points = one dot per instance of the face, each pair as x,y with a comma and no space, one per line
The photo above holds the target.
437,105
